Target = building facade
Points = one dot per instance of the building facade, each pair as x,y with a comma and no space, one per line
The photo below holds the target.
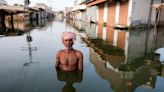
117,12
3,2
44,10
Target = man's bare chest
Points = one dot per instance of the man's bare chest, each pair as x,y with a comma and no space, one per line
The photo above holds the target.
68,59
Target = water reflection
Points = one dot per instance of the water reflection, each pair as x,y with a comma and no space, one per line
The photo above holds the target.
30,49
125,58
21,27
128,77
69,78
114,60
20,57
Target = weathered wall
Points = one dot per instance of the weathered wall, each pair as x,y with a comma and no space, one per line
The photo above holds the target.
140,11
92,13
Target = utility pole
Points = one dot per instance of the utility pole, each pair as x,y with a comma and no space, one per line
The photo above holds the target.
50,1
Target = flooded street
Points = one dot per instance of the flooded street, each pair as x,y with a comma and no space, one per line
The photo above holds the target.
114,60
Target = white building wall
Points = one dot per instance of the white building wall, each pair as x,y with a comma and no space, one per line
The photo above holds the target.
92,13
104,33
105,12
138,38
117,12
115,38
130,12
83,16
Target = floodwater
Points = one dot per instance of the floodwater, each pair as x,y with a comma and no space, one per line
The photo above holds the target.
114,60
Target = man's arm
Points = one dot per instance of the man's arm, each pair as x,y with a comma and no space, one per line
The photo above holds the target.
80,62
57,60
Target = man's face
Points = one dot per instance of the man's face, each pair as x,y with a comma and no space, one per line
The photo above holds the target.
68,43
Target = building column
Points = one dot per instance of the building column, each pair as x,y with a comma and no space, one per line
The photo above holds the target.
97,15
104,33
2,21
117,18
123,16
115,38
111,13
101,13
105,12
126,47
12,22
129,19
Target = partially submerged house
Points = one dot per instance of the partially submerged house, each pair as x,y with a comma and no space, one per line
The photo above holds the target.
120,12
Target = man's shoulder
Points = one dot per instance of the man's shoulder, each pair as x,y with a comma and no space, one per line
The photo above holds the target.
79,53
60,51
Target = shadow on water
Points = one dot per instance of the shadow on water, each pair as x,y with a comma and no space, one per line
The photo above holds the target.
127,59
23,27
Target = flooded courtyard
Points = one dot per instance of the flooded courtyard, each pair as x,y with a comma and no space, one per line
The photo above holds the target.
114,60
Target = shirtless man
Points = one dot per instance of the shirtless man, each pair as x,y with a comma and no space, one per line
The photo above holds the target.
69,59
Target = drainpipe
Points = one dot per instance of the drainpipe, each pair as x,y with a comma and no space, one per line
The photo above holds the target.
150,13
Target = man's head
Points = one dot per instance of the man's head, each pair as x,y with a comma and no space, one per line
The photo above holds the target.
68,39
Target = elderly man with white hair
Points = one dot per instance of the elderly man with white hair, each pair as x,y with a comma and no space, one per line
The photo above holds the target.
69,59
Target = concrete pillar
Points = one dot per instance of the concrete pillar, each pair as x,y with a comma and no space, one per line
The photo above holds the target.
12,22
117,12
105,12
129,20
2,21
115,38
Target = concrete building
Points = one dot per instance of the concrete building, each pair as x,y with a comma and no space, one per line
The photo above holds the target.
3,2
120,12
67,11
59,15
44,10
78,12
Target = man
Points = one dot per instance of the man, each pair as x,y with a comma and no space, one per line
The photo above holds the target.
69,59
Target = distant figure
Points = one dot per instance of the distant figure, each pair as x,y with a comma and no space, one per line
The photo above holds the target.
69,78
69,59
